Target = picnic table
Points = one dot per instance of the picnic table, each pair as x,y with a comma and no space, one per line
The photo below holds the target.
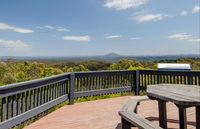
183,96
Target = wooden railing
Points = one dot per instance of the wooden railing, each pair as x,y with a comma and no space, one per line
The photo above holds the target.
21,101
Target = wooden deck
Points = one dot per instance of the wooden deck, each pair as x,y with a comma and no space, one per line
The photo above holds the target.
103,114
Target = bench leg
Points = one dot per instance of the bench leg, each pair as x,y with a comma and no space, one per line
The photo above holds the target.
162,114
198,117
136,108
125,124
182,118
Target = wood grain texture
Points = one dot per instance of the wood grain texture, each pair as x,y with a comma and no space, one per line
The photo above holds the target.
185,95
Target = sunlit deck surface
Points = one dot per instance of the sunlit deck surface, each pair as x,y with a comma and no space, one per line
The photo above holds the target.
103,114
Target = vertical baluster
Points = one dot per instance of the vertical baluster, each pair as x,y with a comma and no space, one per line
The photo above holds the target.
38,97
27,101
168,79
9,107
41,96
57,89
90,83
44,94
100,84
107,81
65,86
196,82
62,88
49,92
174,80
81,84
18,104
23,102
145,80
14,105
78,84
84,84
59,85
96,82
181,77
155,81
3,109
52,92
32,99
158,79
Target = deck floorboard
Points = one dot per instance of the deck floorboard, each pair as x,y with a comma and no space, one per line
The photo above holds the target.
103,114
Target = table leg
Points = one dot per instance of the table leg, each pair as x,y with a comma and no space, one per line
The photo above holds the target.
125,124
198,117
162,114
182,118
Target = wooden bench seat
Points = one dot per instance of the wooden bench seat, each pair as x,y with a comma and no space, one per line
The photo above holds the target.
130,118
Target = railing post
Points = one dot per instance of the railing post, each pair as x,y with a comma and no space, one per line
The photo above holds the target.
137,82
71,90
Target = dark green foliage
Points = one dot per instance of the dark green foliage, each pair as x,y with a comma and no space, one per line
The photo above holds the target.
13,70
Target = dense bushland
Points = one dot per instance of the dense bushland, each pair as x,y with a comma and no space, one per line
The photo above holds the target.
12,70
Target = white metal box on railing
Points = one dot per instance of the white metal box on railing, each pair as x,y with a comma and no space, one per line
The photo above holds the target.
173,66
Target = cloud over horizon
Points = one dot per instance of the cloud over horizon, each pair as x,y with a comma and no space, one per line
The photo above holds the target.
184,13
180,36
147,17
196,9
14,45
194,40
113,36
4,26
124,4
135,38
53,28
77,38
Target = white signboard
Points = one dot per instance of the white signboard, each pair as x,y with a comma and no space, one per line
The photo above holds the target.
174,66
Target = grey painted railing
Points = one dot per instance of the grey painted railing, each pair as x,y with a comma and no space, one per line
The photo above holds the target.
21,101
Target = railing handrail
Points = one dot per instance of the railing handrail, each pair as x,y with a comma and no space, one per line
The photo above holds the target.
19,84
105,71
164,70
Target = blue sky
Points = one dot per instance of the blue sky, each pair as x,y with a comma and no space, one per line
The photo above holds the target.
98,27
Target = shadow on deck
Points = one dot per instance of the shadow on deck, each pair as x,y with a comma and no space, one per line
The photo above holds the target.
103,114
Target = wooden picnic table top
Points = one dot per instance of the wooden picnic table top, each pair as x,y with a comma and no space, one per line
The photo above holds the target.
184,95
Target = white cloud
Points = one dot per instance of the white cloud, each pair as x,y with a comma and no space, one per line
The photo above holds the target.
135,38
49,27
140,17
180,36
124,4
53,28
196,9
184,13
77,38
4,26
113,36
14,45
62,29
194,40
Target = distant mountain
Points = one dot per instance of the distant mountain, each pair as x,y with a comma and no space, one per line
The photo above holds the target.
112,55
